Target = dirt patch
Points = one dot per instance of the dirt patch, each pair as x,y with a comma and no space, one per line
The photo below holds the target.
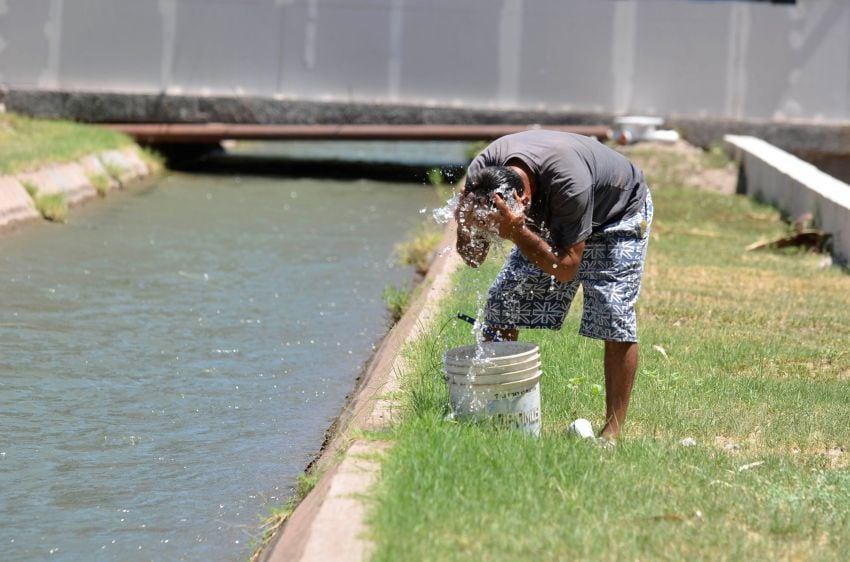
722,180
688,164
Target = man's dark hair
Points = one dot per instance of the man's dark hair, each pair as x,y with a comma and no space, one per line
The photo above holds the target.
493,179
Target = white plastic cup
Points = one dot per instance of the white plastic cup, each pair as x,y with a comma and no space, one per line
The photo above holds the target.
581,428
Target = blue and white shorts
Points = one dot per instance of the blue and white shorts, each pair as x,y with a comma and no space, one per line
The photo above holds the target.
523,296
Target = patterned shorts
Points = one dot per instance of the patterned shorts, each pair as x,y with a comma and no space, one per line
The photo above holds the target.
523,296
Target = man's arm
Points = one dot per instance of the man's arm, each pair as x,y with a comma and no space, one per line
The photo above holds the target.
561,263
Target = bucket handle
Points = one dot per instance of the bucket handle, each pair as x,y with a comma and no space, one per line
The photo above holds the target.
492,334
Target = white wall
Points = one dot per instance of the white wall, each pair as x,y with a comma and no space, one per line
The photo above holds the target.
732,59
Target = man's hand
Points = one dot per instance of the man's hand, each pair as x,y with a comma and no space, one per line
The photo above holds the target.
473,213
506,222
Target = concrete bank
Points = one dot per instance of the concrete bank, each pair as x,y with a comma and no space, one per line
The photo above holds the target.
75,182
795,187
328,525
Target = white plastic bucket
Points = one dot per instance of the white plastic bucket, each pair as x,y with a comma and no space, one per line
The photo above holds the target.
501,353
496,381
482,375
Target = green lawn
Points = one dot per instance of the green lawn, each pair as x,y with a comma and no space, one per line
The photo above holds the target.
27,143
746,353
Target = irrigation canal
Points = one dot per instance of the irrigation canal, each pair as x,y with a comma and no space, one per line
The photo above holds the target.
172,357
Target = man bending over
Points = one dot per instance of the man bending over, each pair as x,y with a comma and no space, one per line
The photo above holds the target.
577,212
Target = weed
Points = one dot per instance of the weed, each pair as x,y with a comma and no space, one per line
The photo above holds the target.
418,249
397,300
715,156
53,206
114,170
435,176
277,516
31,188
101,183
153,159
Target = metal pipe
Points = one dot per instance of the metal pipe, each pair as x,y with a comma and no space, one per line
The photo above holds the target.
197,133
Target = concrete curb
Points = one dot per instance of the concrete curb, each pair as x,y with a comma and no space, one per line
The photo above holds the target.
796,187
74,180
328,525
16,205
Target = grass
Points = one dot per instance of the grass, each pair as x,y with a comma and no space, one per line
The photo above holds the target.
435,177
100,183
153,159
27,143
716,156
397,299
746,353
278,515
418,248
114,170
53,206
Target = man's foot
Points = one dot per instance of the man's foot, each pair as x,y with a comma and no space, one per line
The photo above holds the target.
606,442
611,430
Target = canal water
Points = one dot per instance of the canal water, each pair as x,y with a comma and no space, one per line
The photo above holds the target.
171,358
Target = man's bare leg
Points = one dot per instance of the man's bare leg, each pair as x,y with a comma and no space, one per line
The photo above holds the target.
621,360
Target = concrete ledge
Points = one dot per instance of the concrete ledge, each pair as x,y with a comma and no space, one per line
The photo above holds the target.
15,203
95,168
74,180
68,179
126,164
328,525
796,187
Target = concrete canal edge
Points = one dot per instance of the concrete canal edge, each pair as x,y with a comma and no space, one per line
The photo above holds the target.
329,524
74,182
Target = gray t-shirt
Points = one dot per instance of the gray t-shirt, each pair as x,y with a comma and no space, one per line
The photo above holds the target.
581,184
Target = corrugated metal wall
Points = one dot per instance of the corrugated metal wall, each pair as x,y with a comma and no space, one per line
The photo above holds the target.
732,59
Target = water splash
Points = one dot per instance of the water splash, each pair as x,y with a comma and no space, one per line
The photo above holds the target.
444,214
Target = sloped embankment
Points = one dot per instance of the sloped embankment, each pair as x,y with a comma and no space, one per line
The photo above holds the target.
46,167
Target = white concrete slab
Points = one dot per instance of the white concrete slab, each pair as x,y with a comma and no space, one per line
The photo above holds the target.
15,203
796,187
